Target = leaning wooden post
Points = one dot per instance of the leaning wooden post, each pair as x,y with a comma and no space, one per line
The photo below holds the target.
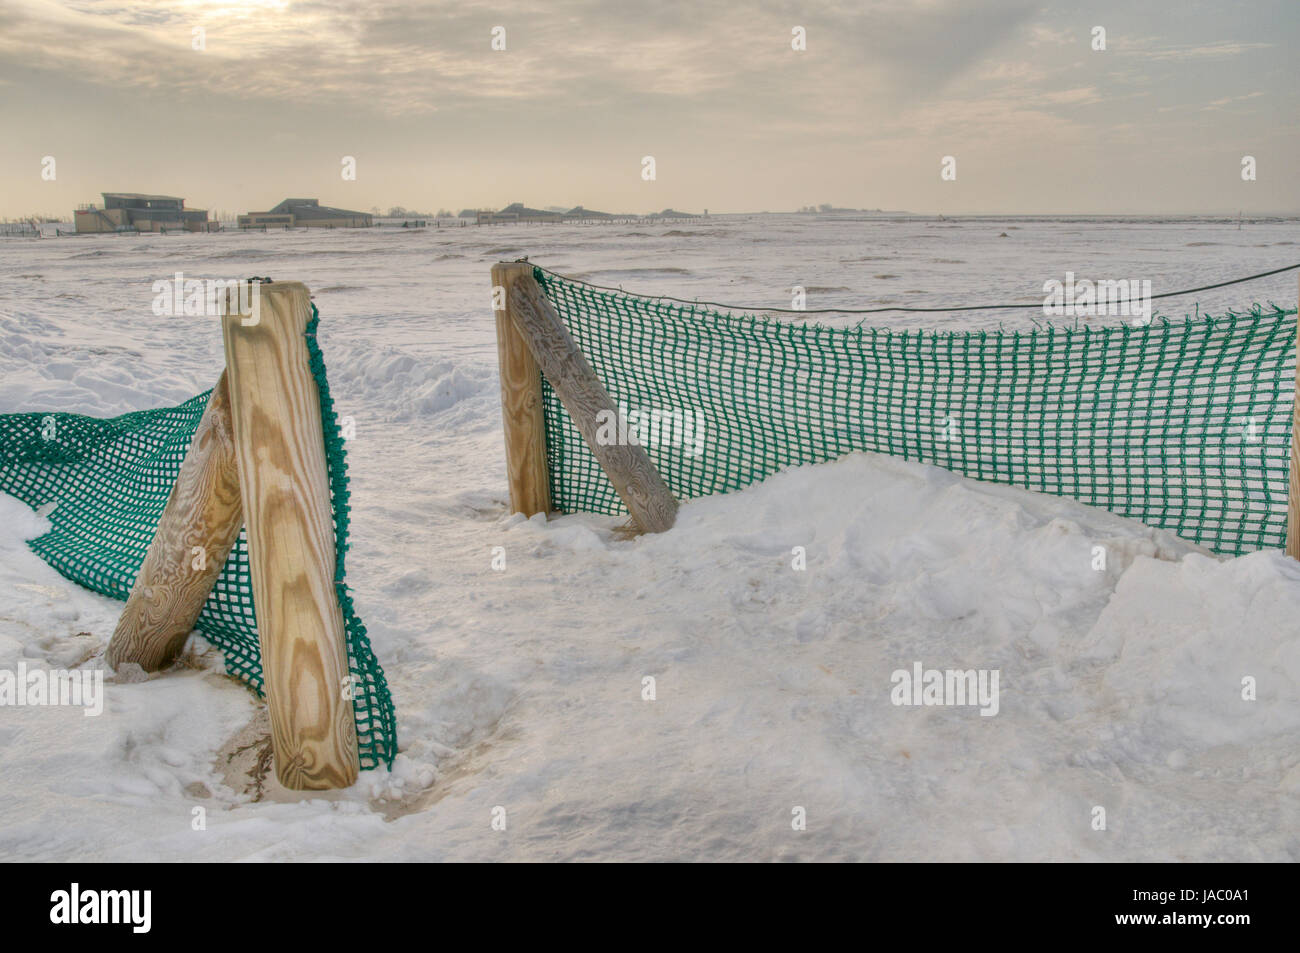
199,525
280,448
638,483
1293,488
521,401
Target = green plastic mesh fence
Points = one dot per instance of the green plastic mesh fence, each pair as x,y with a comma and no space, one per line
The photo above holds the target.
110,480
1184,425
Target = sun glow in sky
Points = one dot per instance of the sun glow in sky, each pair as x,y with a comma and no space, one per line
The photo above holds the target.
235,105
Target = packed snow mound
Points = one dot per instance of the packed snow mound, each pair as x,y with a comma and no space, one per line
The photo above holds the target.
1127,658
771,622
417,390
47,368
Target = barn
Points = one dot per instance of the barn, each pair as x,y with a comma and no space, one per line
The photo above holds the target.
306,213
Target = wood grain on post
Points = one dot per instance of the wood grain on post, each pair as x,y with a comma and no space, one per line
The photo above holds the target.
199,525
521,402
638,483
280,448
1293,488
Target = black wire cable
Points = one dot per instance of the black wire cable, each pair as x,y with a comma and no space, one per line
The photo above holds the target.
981,307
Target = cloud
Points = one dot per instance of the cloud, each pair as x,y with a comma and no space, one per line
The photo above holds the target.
1228,100
716,92
1043,35
1073,97
1220,50
405,57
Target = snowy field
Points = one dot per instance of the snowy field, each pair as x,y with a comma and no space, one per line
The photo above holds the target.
522,689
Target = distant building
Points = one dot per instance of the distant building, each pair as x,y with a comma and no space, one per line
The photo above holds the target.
307,213
518,212
134,212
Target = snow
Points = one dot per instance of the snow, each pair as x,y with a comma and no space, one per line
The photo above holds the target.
1121,687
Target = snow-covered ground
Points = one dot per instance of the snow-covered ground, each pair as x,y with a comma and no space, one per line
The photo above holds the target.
1120,688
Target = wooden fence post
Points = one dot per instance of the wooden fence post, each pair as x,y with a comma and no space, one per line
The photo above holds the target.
628,467
198,527
1293,488
521,400
280,449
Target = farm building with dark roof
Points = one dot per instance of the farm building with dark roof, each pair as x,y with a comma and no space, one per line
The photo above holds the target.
306,213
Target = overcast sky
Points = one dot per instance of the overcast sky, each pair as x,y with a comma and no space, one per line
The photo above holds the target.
735,118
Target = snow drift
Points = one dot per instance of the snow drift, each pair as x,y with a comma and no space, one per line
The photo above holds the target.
1121,688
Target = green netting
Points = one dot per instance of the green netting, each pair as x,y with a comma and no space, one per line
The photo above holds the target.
109,481
1184,425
